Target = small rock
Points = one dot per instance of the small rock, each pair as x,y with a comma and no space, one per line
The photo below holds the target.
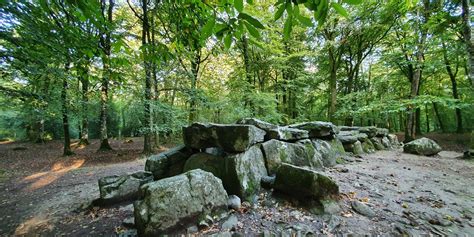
234,202
230,223
192,229
330,206
129,222
362,209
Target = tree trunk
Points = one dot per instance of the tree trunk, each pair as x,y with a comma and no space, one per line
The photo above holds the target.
147,144
332,85
248,74
84,135
104,90
454,86
468,39
410,130
64,105
438,116
427,119
194,77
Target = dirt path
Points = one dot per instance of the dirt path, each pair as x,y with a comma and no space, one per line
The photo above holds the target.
412,194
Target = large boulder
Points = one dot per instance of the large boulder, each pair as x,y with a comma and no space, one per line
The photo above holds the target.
347,139
114,189
207,162
393,140
277,152
386,142
178,202
368,146
244,172
377,141
382,132
304,183
286,134
168,163
317,129
422,146
356,148
371,131
257,123
240,173
328,153
231,138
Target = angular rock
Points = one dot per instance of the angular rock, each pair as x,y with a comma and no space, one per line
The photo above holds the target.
168,163
393,140
317,129
178,202
240,173
231,138
386,142
362,209
257,123
277,152
377,141
328,152
207,162
382,132
304,183
362,137
243,172
286,134
368,146
114,189
422,146
230,223
347,139
355,148
371,131
234,202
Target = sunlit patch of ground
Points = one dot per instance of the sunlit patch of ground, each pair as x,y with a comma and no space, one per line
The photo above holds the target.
30,226
41,179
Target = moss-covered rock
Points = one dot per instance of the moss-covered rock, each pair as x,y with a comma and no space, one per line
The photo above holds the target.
317,129
377,141
178,202
368,146
304,183
240,173
231,137
257,123
243,172
168,163
300,154
114,189
328,153
286,134
422,146
355,148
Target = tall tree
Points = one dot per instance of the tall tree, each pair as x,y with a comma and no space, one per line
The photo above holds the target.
106,47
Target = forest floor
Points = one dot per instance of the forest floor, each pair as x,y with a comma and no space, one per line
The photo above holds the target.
44,194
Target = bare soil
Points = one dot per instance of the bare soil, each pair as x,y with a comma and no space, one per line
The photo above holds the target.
45,194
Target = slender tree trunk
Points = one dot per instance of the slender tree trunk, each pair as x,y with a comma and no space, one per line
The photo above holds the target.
248,74
67,139
104,90
84,135
454,86
438,116
147,145
427,119
410,130
332,84
193,101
